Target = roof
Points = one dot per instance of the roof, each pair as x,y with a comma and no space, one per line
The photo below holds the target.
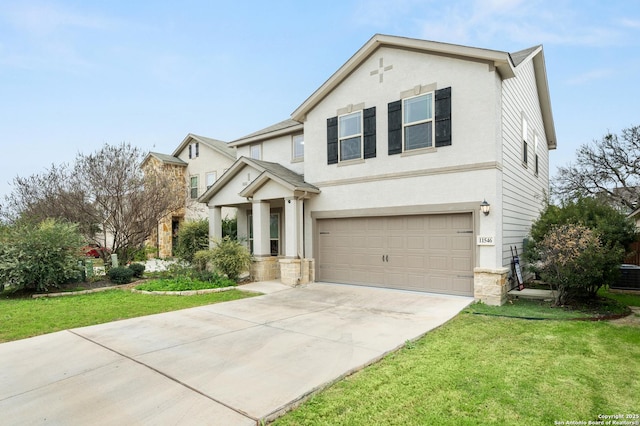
166,159
501,60
520,56
268,170
217,145
282,128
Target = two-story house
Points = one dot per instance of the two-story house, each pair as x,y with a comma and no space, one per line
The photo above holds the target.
197,162
416,165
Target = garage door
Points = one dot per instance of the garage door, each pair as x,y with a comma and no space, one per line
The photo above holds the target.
431,253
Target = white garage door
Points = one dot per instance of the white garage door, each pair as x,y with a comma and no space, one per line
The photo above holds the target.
431,253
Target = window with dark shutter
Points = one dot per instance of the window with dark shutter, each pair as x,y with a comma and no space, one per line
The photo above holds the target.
370,132
190,151
332,140
197,149
394,114
443,117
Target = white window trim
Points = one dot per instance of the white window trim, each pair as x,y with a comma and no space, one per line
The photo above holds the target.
259,147
361,135
191,187
215,178
293,148
432,120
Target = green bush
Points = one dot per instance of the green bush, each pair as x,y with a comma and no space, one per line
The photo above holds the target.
575,261
40,257
613,230
138,269
230,257
202,259
192,237
120,275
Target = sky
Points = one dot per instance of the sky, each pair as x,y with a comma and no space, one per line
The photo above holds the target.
76,74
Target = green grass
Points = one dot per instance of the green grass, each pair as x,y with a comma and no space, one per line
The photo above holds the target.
23,318
478,370
183,284
629,299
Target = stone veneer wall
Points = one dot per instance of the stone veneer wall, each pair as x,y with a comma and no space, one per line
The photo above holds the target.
490,285
296,271
265,269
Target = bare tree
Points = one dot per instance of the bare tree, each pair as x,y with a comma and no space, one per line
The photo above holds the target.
106,193
608,168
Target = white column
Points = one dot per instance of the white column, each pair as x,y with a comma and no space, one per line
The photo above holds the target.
291,228
215,224
261,212
243,226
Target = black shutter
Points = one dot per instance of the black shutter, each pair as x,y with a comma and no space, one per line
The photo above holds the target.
332,140
443,117
395,127
197,149
190,153
370,132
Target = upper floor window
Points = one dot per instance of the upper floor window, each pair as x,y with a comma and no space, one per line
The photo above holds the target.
211,178
298,147
256,151
535,152
525,136
418,122
350,136
194,150
193,186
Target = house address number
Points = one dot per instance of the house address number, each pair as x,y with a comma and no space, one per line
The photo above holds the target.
485,240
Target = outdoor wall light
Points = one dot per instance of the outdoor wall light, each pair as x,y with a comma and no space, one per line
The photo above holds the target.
485,207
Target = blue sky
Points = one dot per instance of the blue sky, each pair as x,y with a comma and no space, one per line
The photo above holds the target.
75,74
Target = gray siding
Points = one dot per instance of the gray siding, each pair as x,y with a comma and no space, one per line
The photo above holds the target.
523,191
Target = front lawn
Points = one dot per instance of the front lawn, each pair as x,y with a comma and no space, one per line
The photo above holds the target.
183,284
480,369
23,318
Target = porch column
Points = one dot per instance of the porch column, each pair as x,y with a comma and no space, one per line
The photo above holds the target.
292,217
243,228
260,214
215,224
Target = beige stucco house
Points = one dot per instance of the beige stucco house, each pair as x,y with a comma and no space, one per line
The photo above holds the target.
198,162
378,177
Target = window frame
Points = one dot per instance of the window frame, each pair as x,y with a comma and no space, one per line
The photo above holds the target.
525,144
431,120
257,146
215,178
295,155
360,135
277,239
192,188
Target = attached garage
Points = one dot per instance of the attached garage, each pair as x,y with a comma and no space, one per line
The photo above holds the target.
431,253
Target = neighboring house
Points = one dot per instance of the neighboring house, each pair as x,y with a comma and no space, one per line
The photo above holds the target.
635,216
378,177
198,162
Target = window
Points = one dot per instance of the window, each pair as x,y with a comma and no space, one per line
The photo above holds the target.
194,150
350,136
193,186
274,233
535,151
256,151
421,121
211,178
298,147
417,122
525,145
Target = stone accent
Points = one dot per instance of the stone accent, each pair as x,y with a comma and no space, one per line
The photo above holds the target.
296,271
490,285
265,269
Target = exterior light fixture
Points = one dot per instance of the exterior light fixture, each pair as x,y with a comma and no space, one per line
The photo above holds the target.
485,207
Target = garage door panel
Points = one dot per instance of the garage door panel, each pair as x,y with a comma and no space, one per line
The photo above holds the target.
424,252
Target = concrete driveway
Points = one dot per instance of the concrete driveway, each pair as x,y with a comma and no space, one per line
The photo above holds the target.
232,363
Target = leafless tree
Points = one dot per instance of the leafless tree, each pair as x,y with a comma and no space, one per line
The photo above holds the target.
106,193
608,168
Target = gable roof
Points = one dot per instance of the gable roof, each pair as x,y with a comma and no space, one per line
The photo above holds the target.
217,145
274,171
282,128
501,60
164,158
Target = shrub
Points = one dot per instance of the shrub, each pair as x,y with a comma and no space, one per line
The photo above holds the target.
202,259
39,257
120,275
230,257
575,261
138,269
192,237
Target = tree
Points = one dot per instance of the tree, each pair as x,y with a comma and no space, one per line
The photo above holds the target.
608,168
105,193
